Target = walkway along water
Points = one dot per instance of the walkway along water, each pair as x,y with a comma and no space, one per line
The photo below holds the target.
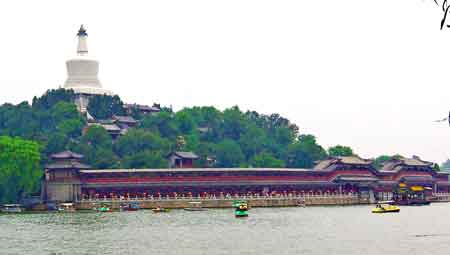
279,201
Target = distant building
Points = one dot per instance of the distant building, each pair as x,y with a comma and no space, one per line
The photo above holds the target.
414,163
125,122
143,109
181,159
336,163
113,130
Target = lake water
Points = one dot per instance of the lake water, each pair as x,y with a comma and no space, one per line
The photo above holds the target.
310,230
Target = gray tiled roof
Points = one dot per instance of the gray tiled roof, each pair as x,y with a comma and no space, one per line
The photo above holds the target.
175,170
125,119
66,155
350,160
398,163
108,127
143,107
184,154
67,165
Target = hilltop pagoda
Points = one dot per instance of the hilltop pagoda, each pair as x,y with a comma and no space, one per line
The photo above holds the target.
82,74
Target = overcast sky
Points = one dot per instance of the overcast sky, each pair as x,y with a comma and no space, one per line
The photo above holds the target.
372,75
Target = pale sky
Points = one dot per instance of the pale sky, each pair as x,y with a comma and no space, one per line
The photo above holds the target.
372,75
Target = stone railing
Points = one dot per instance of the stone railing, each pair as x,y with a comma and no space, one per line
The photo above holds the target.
441,197
226,202
241,197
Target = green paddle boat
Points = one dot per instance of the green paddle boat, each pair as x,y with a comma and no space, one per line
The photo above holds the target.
241,209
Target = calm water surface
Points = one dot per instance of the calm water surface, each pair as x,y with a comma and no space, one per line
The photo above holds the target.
311,230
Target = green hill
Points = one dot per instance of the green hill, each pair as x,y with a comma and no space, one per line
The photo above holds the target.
229,138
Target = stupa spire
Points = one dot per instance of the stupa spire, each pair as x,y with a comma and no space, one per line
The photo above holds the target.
82,49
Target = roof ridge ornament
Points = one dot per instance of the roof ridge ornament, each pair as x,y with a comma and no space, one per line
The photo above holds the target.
82,31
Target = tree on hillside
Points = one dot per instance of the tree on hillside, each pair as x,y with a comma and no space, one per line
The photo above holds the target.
104,107
234,123
252,141
104,158
304,152
57,142
229,154
18,120
266,160
137,140
145,159
163,123
64,110
340,150
19,168
97,136
94,145
66,119
52,97
185,122
204,150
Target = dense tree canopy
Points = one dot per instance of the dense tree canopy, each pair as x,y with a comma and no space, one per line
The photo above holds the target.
104,107
340,150
20,170
304,152
228,138
266,160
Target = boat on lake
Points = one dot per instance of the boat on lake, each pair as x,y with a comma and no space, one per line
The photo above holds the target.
12,208
133,206
160,210
66,207
241,209
386,207
102,208
195,206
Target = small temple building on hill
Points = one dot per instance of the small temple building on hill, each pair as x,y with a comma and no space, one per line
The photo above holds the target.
67,179
181,159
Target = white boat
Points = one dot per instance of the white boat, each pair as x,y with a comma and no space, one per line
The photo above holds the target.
66,207
12,208
195,206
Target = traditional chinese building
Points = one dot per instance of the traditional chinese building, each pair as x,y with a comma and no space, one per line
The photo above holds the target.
62,177
125,122
181,159
142,109
69,180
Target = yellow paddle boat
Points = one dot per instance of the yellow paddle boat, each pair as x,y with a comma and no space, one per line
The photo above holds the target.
385,208
160,210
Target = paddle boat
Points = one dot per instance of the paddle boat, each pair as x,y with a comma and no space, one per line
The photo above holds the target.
102,208
195,206
66,207
241,210
134,206
160,210
12,208
386,207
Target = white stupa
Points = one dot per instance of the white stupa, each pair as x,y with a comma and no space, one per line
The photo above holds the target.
82,73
